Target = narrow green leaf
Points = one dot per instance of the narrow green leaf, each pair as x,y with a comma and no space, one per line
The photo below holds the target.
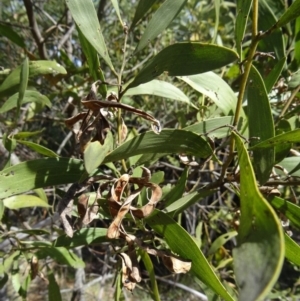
243,10
177,191
36,244
274,74
292,84
213,86
45,67
24,287
142,8
118,287
285,138
2,208
3,279
275,41
39,148
93,62
9,143
217,4
53,289
168,141
24,201
290,14
41,194
290,210
291,166
116,7
158,177
34,231
186,201
35,68
39,173
282,150
185,59
95,153
9,33
15,276
292,250
160,21
85,16
260,125
220,241
296,60
24,135
24,74
160,88
150,269
147,159
29,96
216,127
8,262
61,255
182,243
260,249
82,237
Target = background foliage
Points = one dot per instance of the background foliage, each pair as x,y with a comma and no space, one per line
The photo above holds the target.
187,106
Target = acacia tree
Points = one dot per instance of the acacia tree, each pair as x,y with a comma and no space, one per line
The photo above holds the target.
185,124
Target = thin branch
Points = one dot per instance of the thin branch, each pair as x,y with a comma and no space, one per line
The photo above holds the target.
65,38
64,142
201,296
252,50
39,40
14,25
290,100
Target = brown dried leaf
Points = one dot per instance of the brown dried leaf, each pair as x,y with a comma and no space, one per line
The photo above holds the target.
269,191
113,231
126,270
149,207
118,187
124,131
146,174
93,92
187,161
102,127
91,213
176,265
130,271
94,125
82,205
129,285
135,271
65,206
66,221
34,267
156,127
72,120
96,105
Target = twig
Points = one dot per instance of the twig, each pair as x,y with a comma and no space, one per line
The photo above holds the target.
35,30
201,296
14,25
94,281
64,142
66,36
65,206
256,36
288,103
78,290
40,225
